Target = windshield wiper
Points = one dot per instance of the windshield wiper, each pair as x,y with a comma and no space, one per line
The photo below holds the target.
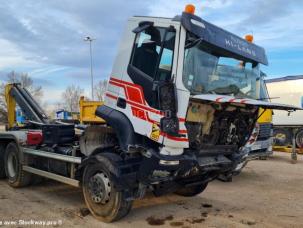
267,98
231,89
192,42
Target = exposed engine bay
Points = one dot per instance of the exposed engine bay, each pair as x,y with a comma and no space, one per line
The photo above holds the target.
215,124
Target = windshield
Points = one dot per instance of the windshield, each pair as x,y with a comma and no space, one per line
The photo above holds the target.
263,88
207,72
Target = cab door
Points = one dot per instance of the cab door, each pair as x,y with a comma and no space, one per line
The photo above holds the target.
152,59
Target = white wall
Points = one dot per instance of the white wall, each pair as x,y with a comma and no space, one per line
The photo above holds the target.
289,92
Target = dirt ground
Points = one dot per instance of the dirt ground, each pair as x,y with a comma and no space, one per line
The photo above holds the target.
266,194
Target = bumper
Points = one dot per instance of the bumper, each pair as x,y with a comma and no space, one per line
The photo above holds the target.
260,149
188,167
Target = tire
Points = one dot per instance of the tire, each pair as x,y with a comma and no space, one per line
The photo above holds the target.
13,167
2,169
98,178
192,190
299,138
282,137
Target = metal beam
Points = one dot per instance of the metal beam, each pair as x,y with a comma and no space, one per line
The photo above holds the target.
60,157
52,176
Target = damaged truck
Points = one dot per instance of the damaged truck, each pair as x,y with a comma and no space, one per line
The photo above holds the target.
180,105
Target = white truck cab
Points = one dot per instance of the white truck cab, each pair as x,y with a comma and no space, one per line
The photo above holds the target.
169,73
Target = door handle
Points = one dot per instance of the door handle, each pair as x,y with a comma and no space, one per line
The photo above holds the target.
121,103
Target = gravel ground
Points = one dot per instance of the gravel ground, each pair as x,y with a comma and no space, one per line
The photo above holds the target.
266,194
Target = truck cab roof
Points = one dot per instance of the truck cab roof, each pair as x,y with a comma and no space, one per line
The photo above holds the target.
215,36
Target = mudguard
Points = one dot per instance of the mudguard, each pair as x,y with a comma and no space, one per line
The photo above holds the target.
121,125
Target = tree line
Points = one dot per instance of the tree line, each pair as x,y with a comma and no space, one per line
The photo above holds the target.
70,96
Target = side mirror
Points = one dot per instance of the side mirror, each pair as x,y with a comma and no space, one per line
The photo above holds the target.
167,98
170,125
142,26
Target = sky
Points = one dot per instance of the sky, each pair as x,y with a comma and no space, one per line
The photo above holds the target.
45,38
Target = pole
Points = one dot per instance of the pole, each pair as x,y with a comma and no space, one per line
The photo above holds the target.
91,63
294,156
91,67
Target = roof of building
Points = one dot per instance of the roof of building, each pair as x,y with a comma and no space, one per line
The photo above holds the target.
285,78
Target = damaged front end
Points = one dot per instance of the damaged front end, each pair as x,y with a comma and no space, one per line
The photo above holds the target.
218,128
217,133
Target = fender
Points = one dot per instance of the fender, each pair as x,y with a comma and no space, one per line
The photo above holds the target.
121,125
123,172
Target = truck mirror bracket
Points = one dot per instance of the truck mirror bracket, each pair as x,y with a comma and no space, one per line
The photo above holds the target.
142,26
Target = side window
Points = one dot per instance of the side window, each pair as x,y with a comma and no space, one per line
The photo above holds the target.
166,60
153,52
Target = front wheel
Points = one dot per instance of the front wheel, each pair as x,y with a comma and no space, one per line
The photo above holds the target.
191,190
103,200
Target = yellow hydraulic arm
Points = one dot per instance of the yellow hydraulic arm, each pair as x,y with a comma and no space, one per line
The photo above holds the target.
16,94
11,106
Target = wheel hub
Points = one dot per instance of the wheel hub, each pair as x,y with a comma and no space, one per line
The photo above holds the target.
99,187
12,165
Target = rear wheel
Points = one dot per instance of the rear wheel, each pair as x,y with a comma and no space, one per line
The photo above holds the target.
299,138
192,190
13,167
282,137
101,197
2,169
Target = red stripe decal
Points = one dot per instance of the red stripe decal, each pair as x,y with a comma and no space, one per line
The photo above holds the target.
134,95
111,96
232,100
219,98
174,138
119,85
138,113
182,131
135,98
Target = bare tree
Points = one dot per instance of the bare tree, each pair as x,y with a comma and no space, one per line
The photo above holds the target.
71,97
26,81
100,89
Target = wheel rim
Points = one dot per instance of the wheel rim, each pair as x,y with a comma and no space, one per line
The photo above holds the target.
12,165
299,139
99,188
280,139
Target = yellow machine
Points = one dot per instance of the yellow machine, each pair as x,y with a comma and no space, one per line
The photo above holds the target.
266,116
288,128
87,112
262,147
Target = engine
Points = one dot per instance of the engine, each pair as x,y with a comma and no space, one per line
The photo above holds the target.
213,124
